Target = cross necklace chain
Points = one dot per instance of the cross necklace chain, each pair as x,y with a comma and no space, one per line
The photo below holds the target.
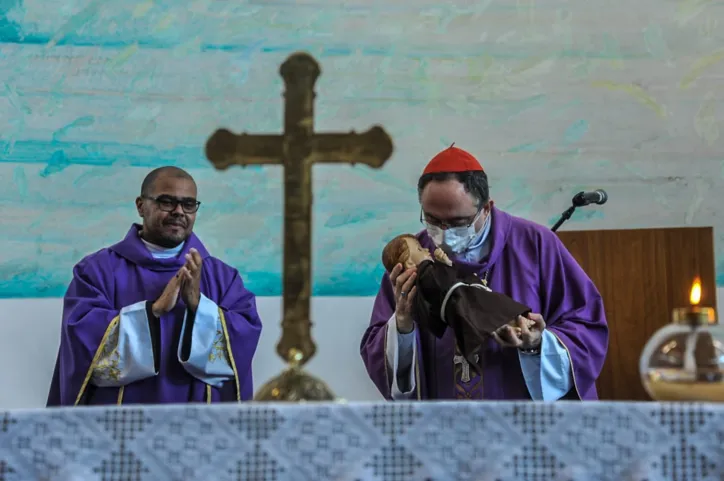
485,278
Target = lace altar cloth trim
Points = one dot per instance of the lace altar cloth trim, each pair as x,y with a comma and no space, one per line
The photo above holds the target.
395,441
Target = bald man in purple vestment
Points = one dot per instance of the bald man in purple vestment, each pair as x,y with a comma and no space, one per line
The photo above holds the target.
155,318
560,357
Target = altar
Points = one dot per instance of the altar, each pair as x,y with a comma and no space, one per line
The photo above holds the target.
387,441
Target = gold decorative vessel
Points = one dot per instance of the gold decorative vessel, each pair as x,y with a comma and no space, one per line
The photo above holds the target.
294,385
684,360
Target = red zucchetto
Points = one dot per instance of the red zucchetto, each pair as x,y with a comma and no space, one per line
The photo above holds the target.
453,159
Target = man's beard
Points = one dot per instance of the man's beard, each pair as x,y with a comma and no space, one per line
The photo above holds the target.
167,241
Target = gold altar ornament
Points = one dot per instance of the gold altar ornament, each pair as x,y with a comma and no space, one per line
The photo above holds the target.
297,149
294,384
684,360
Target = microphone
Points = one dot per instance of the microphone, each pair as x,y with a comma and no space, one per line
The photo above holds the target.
584,198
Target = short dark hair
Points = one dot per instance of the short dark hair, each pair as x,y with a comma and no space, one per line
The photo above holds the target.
169,170
474,183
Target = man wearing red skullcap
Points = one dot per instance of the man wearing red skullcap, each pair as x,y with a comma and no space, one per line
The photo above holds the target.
560,357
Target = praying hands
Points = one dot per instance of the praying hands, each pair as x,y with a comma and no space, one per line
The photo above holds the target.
191,280
186,282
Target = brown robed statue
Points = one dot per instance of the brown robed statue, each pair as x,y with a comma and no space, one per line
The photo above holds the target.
296,150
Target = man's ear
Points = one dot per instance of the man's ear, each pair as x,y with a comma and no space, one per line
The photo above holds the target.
139,206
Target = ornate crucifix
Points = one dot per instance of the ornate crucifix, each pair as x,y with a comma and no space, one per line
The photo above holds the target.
297,149
465,374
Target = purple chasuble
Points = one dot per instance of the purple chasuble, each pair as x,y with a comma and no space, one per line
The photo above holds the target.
124,274
530,264
468,382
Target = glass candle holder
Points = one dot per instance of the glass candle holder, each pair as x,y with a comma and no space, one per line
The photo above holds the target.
684,360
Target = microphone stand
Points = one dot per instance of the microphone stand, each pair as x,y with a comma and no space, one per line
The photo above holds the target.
577,201
564,217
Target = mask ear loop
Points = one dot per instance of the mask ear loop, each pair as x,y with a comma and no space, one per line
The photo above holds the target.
485,224
477,216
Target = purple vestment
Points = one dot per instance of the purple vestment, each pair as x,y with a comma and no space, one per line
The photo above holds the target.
124,274
530,264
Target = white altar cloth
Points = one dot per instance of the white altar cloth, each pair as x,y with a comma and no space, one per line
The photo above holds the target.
390,441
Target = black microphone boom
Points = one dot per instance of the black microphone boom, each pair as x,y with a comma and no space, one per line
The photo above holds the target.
581,199
585,198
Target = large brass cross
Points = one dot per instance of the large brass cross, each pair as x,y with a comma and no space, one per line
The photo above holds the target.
297,149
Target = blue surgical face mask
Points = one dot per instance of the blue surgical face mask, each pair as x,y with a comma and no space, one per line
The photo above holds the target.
454,239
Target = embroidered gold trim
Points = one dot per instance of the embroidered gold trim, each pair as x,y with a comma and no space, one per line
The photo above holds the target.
457,373
107,369
218,350
570,359
121,391
96,357
231,354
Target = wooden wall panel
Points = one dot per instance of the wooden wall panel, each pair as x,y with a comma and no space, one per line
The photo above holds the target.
642,275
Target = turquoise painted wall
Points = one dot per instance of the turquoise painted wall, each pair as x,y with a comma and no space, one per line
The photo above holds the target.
553,97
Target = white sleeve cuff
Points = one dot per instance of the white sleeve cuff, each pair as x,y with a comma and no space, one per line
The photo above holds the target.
127,355
401,353
208,359
548,375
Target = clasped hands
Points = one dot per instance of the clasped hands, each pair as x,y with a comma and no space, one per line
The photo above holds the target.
186,282
523,333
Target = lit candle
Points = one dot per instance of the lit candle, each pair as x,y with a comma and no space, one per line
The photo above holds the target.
694,314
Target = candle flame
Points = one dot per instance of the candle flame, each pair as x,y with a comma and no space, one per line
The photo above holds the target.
695,295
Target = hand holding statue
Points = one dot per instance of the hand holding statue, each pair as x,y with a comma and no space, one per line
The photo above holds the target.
524,333
403,285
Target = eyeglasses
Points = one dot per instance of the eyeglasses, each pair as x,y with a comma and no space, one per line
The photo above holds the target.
168,204
461,222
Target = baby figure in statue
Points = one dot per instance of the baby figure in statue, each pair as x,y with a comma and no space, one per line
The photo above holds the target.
444,298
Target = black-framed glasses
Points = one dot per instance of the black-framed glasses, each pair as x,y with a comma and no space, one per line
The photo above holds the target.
462,222
168,204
